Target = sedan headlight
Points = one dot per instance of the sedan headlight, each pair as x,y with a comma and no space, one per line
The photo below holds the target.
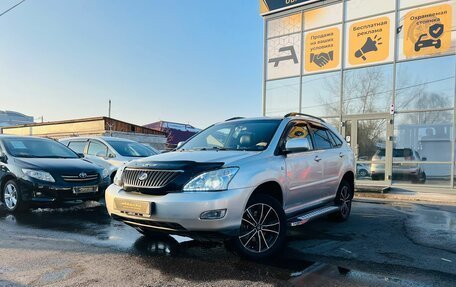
38,174
216,180
118,178
105,173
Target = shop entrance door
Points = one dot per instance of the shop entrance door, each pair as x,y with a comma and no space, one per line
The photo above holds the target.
369,137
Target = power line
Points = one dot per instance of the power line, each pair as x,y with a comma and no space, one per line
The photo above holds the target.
7,10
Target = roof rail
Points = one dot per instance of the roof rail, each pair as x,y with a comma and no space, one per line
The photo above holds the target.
235,118
304,115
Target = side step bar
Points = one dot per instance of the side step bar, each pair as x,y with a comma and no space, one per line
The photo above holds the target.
306,217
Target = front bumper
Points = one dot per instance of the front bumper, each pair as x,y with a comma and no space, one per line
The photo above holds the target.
180,212
48,193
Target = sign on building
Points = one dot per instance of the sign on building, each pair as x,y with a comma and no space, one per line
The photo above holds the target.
369,41
284,57
268,6
322,50
427,31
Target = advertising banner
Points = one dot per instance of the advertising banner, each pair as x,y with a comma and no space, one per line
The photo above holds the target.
322,50
427,31
369,41
284,57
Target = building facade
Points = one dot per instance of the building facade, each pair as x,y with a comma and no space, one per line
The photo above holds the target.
10,118
382,72
176,132
98,126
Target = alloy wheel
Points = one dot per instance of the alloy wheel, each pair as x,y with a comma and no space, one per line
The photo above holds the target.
10,196
260,228
345,201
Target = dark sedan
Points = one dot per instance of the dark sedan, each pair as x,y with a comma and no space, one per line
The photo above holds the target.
37,170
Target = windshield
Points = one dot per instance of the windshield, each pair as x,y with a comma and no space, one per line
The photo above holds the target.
131,149
37,148
236,135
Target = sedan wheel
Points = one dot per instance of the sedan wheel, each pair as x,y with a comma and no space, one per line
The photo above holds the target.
10,196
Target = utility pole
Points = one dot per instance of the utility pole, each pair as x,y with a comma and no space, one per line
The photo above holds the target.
109,109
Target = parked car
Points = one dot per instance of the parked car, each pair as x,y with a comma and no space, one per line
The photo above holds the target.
404,165
37,170
243,181
362,170
109,152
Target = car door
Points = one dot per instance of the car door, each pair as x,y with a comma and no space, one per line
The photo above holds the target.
331,159
304,172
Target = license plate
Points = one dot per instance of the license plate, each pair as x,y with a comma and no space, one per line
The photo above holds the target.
85,189
133,207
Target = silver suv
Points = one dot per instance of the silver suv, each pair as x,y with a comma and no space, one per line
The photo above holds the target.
246,180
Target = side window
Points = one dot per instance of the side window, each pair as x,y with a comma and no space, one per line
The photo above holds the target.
97,148
322,139
77,146
299,130
336,140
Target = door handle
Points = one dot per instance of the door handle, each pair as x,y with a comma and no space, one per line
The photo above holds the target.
341,155
317,158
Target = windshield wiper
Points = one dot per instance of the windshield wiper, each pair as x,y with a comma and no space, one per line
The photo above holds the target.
211,148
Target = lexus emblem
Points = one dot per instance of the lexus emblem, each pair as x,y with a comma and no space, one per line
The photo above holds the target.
83,175
142,176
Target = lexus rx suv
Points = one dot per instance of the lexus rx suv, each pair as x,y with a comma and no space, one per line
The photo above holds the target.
245,181
37,171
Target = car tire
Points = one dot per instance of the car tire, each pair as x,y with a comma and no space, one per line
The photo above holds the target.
344,201
263,229
12,197
363,173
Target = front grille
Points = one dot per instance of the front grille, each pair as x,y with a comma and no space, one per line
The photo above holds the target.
80,177
148,178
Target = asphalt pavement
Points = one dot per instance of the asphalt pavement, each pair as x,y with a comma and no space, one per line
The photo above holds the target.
390,244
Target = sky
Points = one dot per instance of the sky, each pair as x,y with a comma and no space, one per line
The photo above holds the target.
195,62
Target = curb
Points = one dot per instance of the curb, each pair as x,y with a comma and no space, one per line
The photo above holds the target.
415,197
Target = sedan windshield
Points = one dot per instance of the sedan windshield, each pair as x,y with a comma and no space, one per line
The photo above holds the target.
131,149
237,135
37,148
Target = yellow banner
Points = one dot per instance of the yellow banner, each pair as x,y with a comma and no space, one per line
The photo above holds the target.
322,50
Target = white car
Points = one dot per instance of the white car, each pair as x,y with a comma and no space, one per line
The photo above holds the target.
244,180
109,152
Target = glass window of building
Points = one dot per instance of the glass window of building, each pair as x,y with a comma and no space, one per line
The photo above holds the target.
427,31
284,25
363,8
282,96
422,147
413,3
426,84
321,94
284,57
368,90
323,16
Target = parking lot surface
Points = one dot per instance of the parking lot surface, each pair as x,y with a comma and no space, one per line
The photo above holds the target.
393,244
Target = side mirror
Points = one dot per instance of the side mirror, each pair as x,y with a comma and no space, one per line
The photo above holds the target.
3,158
180,144
81,155
297,145
101,154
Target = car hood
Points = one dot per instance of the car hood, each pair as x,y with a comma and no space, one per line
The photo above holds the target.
58,164
225,157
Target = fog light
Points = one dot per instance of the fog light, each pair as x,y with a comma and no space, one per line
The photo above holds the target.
213,214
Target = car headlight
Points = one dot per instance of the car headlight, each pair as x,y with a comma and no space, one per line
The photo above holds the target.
105,173
118,178
216,180
38,174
